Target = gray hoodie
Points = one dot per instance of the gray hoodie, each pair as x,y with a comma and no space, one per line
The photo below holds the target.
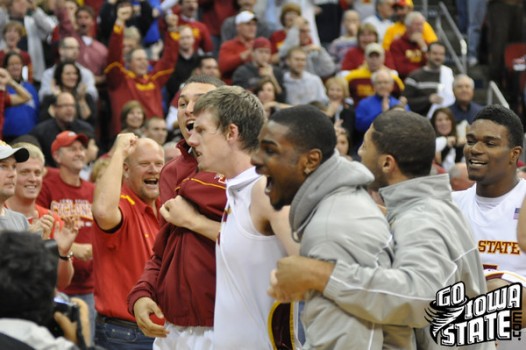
337,220
433,249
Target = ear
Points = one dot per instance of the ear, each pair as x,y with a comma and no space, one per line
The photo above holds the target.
56,156
515,154
311,160
232,133
388,164
52,110
125,168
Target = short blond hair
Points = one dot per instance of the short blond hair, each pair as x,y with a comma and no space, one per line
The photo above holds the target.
34,151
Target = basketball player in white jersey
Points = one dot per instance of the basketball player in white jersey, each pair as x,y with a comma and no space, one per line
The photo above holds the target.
494,144
253,235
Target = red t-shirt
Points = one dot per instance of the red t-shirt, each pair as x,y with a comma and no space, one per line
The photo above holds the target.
124,85
120,254
66,200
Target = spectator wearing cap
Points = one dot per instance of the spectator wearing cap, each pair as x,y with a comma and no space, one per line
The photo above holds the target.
359,79
409,51
228,28
250,74
9,157
319,61
126,208
64,112
401,9
66,194
238,51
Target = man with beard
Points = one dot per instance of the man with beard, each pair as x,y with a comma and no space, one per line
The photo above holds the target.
64,109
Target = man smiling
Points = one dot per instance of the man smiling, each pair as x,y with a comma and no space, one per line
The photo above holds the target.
493,147
125,209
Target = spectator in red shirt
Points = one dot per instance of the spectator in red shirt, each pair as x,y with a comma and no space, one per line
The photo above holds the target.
135,82
65,193
238,51
125,209
203,40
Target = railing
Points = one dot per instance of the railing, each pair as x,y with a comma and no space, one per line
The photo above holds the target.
493,90
425,8
460,61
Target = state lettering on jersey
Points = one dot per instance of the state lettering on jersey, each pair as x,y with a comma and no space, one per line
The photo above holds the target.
80,208
499,247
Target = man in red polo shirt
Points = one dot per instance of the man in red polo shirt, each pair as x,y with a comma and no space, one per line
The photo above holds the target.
125,209
238,51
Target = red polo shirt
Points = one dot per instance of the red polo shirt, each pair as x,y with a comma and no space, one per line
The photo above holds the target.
120,254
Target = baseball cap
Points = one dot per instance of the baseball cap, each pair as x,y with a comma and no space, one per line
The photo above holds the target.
261,43
374,48
403,3
21,154
66,138
245,17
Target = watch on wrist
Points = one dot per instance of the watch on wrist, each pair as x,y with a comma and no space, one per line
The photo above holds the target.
67,257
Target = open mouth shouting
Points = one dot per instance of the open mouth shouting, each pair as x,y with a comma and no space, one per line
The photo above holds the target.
152,183
268,187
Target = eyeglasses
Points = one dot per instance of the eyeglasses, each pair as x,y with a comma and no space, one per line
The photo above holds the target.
70,105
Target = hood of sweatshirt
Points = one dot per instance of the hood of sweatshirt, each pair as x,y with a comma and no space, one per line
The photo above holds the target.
333,175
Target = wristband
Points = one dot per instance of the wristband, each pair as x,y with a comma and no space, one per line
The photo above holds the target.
67,257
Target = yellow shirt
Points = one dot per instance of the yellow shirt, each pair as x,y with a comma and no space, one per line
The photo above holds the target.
398,29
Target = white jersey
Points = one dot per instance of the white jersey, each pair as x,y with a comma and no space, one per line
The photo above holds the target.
494,225
244,260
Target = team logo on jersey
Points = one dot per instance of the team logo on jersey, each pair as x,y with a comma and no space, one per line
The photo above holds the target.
220,178
457,320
